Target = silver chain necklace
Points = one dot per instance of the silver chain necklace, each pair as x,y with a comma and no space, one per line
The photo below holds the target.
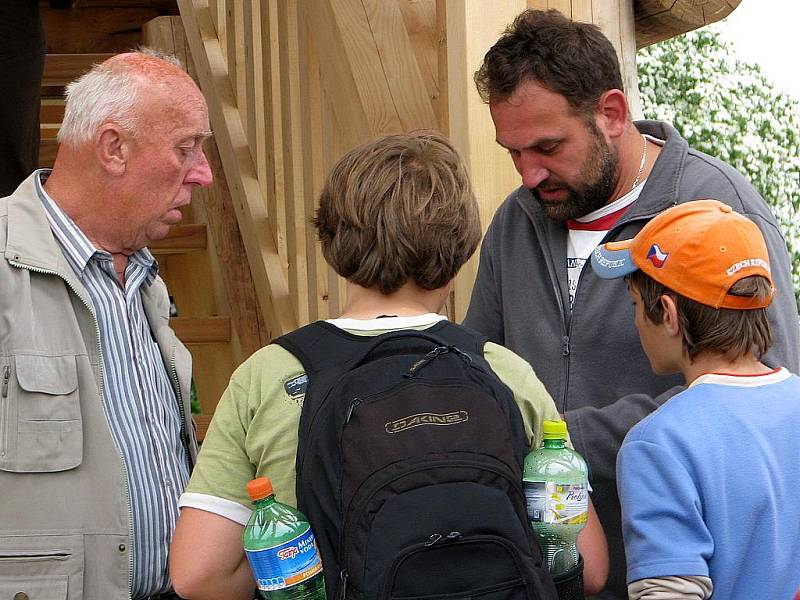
641,164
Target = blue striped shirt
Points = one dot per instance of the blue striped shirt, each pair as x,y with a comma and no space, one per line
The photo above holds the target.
138,397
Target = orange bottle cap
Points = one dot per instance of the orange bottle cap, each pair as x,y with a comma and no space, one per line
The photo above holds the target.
259,488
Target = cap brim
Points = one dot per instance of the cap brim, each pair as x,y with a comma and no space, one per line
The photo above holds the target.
613,260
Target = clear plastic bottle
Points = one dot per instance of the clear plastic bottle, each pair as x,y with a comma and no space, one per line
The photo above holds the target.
556,485
281,549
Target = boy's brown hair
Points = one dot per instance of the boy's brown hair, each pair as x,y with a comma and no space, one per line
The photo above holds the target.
396,209
729,332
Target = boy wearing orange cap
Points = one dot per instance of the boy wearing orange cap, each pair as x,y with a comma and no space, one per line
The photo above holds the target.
708,482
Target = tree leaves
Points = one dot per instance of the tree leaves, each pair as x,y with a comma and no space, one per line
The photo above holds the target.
727,108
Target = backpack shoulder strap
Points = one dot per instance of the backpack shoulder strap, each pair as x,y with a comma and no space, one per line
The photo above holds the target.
320,346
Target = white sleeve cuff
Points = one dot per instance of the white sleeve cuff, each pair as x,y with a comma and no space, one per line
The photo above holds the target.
214,504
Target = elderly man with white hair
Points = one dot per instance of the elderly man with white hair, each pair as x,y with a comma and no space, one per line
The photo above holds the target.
96,440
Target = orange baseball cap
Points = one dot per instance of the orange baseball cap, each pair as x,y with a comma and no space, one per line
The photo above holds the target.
698,249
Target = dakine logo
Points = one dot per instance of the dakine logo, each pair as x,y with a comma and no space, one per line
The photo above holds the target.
453,418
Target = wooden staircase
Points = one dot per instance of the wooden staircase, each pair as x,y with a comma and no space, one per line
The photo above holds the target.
78,38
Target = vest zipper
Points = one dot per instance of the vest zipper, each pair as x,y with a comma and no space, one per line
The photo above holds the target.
100,390
4,414
173,373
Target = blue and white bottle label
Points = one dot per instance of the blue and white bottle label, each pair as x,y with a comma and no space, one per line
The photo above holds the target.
287,564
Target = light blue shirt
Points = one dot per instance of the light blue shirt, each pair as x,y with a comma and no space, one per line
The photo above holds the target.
709,485
138,396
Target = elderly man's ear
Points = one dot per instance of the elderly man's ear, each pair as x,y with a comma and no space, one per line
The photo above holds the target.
112,148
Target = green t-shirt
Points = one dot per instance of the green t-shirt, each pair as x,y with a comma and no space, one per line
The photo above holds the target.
255,425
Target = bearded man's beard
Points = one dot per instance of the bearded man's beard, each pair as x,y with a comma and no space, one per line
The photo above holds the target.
600,169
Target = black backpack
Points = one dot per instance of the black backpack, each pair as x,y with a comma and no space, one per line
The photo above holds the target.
409,467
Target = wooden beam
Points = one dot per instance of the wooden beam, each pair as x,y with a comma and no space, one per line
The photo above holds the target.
421,23
60,69
472,27
48,131
293,228
399,66
202,422
164,7
201,330
52,110
86,29
268,272
47,153
232,281
181,239
658,20
338,78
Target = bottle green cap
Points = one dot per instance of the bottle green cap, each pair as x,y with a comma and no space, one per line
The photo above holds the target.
554,430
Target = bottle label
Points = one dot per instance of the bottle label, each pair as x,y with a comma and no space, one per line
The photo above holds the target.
287,564
549,502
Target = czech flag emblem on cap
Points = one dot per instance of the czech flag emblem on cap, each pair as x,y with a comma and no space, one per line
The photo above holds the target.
657,256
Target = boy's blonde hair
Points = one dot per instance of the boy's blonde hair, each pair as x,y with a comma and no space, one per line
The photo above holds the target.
398,209
729,332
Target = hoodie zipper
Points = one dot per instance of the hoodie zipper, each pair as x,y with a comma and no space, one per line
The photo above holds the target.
85,302
566,348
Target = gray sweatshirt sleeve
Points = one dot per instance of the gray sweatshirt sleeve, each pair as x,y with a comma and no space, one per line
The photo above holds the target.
597,433
783,317
485,312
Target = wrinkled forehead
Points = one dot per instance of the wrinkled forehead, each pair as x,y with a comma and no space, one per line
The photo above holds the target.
168,107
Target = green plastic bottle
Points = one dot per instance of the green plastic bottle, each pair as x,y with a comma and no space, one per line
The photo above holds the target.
281,549
556,485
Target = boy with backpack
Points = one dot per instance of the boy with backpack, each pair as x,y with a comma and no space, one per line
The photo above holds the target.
402,434
708,482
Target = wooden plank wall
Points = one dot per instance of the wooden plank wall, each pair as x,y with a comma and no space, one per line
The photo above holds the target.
292,84
213,289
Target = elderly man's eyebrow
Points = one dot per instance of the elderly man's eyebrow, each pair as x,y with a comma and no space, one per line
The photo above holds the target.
200,137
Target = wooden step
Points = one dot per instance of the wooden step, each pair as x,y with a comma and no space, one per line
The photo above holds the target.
52,110
202,422
47,153
60,69
181,239
101,28
201,330
48,131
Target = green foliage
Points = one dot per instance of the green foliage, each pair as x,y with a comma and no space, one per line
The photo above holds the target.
194,401
727,108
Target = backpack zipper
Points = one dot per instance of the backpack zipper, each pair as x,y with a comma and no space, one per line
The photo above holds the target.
354,509
454,537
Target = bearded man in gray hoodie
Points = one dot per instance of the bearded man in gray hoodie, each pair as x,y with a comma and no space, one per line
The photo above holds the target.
590,175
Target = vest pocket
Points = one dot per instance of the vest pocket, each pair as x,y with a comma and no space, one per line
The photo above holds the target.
42,567
41,429
40,588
